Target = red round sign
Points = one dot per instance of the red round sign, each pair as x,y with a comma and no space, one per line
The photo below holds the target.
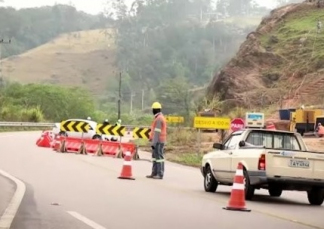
237,124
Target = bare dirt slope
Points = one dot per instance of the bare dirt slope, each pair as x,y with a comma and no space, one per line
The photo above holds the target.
85,59
282,62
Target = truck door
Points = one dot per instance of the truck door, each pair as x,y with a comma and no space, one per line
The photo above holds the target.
224,161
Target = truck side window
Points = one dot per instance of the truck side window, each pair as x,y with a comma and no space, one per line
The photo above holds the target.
294,143
260,139
232,142
286,141
274,140
227,143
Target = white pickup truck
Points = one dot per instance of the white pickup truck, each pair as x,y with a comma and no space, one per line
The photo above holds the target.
272,160
91,134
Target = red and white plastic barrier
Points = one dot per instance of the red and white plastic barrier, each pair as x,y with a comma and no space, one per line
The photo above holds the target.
73,145
46,139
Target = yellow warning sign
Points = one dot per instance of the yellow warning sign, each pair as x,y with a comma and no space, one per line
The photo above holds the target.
175,119
212,123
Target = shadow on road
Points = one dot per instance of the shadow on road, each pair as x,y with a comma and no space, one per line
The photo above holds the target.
259,198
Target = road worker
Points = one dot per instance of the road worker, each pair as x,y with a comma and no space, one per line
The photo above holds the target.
270,126
319,130
118,123
158,139
319,26
114,138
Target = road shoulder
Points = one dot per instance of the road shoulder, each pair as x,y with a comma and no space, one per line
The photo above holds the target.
12,193
8,188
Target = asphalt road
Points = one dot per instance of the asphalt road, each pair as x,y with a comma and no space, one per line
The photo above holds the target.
78,191
7,190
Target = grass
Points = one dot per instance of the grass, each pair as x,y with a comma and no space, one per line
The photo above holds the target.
182,146
84,59
299,52
188,158
141,142
304,58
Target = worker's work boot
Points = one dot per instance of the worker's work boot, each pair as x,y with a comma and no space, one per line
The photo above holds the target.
149,176
157,177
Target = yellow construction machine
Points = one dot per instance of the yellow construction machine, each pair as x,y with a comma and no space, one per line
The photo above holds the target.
305,120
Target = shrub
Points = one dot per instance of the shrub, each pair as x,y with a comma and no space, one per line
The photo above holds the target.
32,115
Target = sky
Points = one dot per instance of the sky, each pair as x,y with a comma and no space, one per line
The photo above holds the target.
88,6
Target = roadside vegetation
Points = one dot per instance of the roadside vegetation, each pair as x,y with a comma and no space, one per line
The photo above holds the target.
298,47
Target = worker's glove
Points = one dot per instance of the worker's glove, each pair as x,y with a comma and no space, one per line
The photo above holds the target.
152,147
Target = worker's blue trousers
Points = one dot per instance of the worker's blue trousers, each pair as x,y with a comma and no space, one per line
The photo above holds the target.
158,160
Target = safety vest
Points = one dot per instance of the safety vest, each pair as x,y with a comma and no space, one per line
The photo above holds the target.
163,128
271,127
321,130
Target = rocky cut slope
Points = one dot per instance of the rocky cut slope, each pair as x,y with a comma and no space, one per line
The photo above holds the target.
281,62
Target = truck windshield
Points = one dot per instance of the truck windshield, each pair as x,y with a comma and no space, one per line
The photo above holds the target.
274,140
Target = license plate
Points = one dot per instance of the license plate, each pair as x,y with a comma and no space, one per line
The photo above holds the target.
299,163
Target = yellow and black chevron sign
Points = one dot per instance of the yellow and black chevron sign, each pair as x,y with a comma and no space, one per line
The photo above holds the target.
139,132
75,126
111,130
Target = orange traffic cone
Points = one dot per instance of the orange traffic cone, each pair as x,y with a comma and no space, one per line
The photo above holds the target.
237,199
126,172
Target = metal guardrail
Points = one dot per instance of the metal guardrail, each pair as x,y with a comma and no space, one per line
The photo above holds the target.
46,124
40,124
26,124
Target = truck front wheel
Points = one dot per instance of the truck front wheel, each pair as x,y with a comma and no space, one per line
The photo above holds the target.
316,196
210,183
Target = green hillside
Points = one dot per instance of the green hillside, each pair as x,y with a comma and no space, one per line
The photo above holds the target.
281,63
85,59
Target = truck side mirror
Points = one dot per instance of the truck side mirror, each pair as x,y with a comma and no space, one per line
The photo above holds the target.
242,143
218,146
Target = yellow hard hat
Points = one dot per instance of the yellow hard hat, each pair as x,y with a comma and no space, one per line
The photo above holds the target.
156,105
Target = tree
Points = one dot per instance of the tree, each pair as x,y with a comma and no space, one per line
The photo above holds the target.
175,96
31,27
55,102
165,40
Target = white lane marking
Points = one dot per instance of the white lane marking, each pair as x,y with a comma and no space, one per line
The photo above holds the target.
85,220
10,135
11,210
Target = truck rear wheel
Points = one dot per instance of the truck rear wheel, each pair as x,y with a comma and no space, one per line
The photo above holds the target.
249,189
210,183
275,192
316,196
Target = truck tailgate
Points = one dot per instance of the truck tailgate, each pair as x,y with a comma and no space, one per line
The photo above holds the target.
295,164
